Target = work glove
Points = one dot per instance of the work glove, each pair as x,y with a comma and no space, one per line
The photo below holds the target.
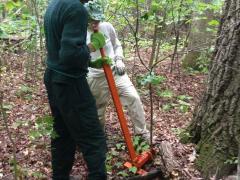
119,66
98,63
97,40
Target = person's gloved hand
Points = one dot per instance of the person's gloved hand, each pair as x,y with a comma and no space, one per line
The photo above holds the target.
119,66
98,63
97,40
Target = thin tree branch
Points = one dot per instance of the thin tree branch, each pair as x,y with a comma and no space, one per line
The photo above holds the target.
4,118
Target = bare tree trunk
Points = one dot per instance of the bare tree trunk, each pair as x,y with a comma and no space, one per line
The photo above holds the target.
148,4
4,121
3,14
199,39
154,46
216,123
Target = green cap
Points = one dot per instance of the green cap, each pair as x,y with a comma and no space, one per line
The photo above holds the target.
95,10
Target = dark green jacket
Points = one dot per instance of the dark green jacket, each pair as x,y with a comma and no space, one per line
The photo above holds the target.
65,25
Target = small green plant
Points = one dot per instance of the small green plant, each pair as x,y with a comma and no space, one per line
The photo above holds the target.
139,144
166,47
114,152
167,107
150,78
24,92
203,62
25,173
38,175
122,173
183,134
127,172
112,156
109,166
177,131
232,160
120,146
118,164
165,94
183,106
136,140
133,169
184,97
7,108
20,123
43,127
183,103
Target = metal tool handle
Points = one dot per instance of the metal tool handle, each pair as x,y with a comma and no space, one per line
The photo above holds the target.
118,106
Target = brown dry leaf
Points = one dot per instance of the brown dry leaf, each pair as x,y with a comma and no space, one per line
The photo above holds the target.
175,173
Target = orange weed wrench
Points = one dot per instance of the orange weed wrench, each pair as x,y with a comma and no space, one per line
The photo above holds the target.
137,160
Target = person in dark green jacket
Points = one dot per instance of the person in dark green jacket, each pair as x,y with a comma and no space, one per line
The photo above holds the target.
72,104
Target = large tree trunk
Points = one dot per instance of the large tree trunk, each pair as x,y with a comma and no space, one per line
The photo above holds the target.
216,122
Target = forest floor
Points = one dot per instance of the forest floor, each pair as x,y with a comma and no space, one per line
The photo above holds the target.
25,101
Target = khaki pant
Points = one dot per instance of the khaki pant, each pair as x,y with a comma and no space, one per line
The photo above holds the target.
128,96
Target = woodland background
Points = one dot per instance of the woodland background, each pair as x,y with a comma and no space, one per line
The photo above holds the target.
183,58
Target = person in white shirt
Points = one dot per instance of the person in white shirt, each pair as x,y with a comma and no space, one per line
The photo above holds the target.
96,77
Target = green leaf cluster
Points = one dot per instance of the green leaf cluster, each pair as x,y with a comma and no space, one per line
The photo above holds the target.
231,161
23,21
43,127
151,79
181,102
24,92
140,145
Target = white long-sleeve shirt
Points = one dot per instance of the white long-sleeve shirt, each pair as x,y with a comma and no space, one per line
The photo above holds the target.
112,48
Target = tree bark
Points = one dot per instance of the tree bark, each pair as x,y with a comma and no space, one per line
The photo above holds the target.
216,122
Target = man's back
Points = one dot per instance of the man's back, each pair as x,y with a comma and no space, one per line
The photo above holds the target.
72,105
65,25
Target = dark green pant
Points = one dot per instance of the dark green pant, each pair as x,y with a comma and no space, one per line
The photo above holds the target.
76,124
